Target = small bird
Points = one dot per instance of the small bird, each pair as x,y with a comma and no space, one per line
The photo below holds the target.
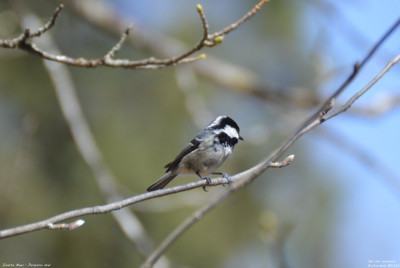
204,154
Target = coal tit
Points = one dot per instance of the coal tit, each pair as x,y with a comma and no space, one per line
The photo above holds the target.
204,154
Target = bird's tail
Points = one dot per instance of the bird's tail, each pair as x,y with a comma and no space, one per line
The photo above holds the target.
162,182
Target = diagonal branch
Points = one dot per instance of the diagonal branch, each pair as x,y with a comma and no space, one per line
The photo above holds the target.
117,47
356,69
198,214
246,177
236,24
356,96
102,209
23,38
239,181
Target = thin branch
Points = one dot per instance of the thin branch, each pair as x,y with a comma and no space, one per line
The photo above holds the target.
84,140
66,226
43,224
204,22
181,228
356,69
246,177
118,46
239,181
283,163
92,152
227,74
103,209
198,214
24,42
49,24
356,96
20,40
235,25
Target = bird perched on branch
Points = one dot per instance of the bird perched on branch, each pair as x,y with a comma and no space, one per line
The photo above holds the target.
204,154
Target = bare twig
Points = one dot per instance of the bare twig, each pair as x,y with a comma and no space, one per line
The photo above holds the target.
198,214
83,137
283,163
239,181
350,102
120,204
356,69
102,209
24,42
22,39
84,140
233,26
204,22
222,72
111,54
66,226
246,177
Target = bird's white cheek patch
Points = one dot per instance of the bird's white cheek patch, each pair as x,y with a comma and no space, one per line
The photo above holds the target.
232,132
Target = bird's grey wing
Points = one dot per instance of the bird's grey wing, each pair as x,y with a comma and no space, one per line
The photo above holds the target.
193,145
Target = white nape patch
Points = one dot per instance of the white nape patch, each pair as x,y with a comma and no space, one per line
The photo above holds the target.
217,121
230,131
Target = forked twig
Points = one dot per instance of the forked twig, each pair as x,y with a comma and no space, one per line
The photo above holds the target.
24,42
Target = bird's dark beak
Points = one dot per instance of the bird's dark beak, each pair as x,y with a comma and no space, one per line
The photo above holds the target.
241,138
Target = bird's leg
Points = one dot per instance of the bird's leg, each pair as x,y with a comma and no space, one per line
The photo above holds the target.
225,175
208,179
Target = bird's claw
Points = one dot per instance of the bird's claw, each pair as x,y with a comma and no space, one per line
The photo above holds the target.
208,180
227,177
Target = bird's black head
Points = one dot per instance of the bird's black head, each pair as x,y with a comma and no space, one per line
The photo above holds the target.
226,125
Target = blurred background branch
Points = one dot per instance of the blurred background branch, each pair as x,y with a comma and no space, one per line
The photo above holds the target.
83,138
51,222
269,74
246,177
